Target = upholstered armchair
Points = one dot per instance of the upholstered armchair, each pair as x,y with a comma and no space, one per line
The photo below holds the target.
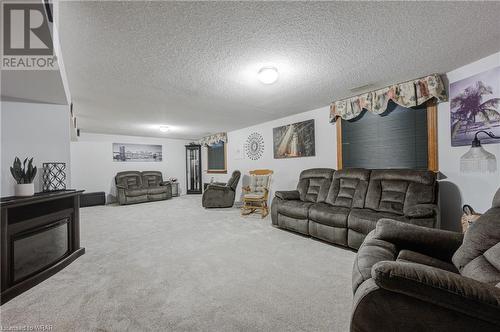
256,194
411,278
221,195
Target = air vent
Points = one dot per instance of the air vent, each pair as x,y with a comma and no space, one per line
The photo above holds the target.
361,88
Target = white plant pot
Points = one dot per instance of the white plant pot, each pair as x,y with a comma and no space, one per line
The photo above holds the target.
25,189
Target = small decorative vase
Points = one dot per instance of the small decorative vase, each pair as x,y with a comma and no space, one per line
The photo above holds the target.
24,189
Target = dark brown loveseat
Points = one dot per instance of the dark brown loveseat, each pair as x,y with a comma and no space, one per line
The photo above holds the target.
411,278
139,187
342,207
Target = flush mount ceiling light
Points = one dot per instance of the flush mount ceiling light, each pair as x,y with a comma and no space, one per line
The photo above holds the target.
268,75
163,129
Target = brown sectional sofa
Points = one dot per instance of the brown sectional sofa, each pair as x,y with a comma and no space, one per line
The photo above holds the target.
342,207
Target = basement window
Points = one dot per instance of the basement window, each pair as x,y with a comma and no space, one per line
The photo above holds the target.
399,138
216,156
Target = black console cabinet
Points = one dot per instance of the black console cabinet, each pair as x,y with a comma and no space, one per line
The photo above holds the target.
40,235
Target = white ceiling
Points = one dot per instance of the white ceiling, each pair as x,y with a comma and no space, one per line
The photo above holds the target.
132,66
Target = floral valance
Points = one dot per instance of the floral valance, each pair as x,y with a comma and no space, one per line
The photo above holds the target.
407,94
213,139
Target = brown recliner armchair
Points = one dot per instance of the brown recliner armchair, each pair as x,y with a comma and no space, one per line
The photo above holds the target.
412,278
221,195
139,187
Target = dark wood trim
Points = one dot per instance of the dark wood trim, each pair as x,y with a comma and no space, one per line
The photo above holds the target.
432,136
338,125
222,171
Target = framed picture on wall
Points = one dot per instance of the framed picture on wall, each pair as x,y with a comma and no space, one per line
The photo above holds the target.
294,140
125,152
474,106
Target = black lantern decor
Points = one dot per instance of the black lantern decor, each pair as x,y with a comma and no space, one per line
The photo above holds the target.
54,176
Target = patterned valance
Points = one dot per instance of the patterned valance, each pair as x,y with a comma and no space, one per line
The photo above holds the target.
407,94
213,139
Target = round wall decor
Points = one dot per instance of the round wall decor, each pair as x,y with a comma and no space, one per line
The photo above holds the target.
254,146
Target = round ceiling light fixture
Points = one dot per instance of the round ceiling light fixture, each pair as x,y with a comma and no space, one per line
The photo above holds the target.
268,75
164,129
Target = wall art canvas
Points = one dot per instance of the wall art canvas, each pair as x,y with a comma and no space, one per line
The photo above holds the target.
474,106
125,152
294,140
254,146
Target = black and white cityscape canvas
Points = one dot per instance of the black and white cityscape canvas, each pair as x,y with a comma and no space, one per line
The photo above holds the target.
294,140
125,152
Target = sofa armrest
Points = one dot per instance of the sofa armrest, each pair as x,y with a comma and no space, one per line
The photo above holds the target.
165,183
288,195
440,287
422,211
119,186
218,187
430,241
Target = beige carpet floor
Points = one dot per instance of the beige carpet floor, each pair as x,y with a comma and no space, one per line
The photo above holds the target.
174,266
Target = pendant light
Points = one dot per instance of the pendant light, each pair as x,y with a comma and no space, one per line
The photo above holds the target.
477,159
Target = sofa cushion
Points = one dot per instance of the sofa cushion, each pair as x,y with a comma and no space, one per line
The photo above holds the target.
365,220
348,188
293,224
396,190
329,215
136,192
294,209
481,236
332,234
234,179
371,251
129,179
481,269
416,257
158,190
492,255
314,184
151,178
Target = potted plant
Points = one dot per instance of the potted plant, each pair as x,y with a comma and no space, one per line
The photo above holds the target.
24,177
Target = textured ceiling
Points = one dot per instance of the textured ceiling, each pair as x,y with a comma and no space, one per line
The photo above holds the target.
192,65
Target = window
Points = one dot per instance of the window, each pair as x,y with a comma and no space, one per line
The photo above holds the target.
399,138
216,156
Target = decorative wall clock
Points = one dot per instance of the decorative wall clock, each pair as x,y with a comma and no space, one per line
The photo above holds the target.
254,146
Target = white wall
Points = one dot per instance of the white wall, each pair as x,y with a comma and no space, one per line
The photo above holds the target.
286,171
457,189
93,168
33,130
